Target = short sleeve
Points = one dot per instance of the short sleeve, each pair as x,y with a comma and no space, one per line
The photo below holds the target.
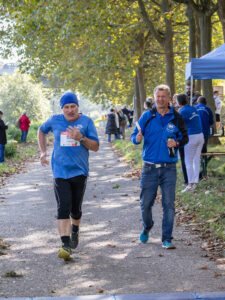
46,126
92,132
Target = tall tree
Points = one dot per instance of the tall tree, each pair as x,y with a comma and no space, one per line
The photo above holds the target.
221,13
165,39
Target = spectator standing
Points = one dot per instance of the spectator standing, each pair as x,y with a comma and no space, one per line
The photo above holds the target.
111,125
148,103
126,112
24,126
131,114
192,150
206,117
3,138
122,122
163,130
74,135
218,106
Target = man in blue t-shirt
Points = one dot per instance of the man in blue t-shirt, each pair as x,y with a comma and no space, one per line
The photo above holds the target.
74,135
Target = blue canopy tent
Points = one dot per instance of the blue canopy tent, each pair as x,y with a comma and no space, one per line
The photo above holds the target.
209,66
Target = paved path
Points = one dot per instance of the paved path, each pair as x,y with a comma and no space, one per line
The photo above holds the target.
109,259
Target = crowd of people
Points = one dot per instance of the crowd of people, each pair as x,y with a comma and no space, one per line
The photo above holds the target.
23,123
169,125
118,119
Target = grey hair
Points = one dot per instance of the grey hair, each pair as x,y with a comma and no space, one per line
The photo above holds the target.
162,87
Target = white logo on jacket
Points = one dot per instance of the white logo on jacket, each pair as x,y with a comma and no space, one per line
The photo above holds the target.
170,127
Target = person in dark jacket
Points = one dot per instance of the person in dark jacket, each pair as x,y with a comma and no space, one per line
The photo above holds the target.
3,139
163,130
111,125
206,118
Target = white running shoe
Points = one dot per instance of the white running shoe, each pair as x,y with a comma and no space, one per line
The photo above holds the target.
189,188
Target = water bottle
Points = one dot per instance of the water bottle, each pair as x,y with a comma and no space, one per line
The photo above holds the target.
171,150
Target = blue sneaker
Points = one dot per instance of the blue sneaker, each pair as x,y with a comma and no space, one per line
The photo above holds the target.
144,236
168,245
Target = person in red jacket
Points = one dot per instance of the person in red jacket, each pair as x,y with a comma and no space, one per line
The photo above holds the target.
24,126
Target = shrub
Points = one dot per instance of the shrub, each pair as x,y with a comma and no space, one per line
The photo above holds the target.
10,149
13,133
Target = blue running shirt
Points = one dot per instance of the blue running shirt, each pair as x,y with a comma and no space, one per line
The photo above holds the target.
69,159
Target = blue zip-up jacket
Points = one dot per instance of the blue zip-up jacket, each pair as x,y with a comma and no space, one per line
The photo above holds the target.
191,118
156,130
206,118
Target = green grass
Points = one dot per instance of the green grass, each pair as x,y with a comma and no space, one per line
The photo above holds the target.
23,152
207,202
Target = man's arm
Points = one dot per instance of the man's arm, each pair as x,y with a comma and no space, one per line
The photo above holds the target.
43,147
90,144
75,134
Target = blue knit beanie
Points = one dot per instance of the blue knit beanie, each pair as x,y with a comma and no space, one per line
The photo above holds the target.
68,97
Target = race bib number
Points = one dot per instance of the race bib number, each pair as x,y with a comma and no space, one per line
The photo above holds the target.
66,141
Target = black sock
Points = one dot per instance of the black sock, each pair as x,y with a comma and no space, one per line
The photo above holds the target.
75,228
65,240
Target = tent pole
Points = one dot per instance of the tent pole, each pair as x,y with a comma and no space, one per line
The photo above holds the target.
191,96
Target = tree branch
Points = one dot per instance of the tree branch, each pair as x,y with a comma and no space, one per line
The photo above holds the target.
149,23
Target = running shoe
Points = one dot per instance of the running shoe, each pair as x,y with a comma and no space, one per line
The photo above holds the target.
144,236
74,239
168,245
65,253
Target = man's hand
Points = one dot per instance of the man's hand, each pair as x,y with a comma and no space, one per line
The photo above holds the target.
172,143
74,133
139,136
43,159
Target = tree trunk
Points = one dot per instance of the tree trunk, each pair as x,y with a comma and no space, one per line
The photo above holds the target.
192,31
141,86
205,38
221,13
165,39
137,102
168,48
198,86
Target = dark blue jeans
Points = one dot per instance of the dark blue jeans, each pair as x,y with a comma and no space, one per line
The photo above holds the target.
151,178
24,136
2,151
116,137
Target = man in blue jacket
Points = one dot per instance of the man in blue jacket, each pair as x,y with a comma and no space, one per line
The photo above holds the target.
162,130
206,117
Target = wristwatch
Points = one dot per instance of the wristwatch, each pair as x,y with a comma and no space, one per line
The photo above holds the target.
82,139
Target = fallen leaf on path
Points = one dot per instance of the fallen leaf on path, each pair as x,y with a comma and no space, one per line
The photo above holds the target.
94,196
204,267
111,245
116,186
161,255
124,195
217,274
100,291
52,291
220,261
12,274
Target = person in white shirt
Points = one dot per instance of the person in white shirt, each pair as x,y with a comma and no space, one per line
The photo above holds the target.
218,106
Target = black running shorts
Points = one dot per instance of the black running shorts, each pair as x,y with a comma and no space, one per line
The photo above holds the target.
69,195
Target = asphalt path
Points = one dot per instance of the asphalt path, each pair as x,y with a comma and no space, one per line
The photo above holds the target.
110,258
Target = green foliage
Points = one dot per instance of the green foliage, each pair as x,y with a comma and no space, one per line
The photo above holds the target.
13,133
19,92
10,149
93,46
